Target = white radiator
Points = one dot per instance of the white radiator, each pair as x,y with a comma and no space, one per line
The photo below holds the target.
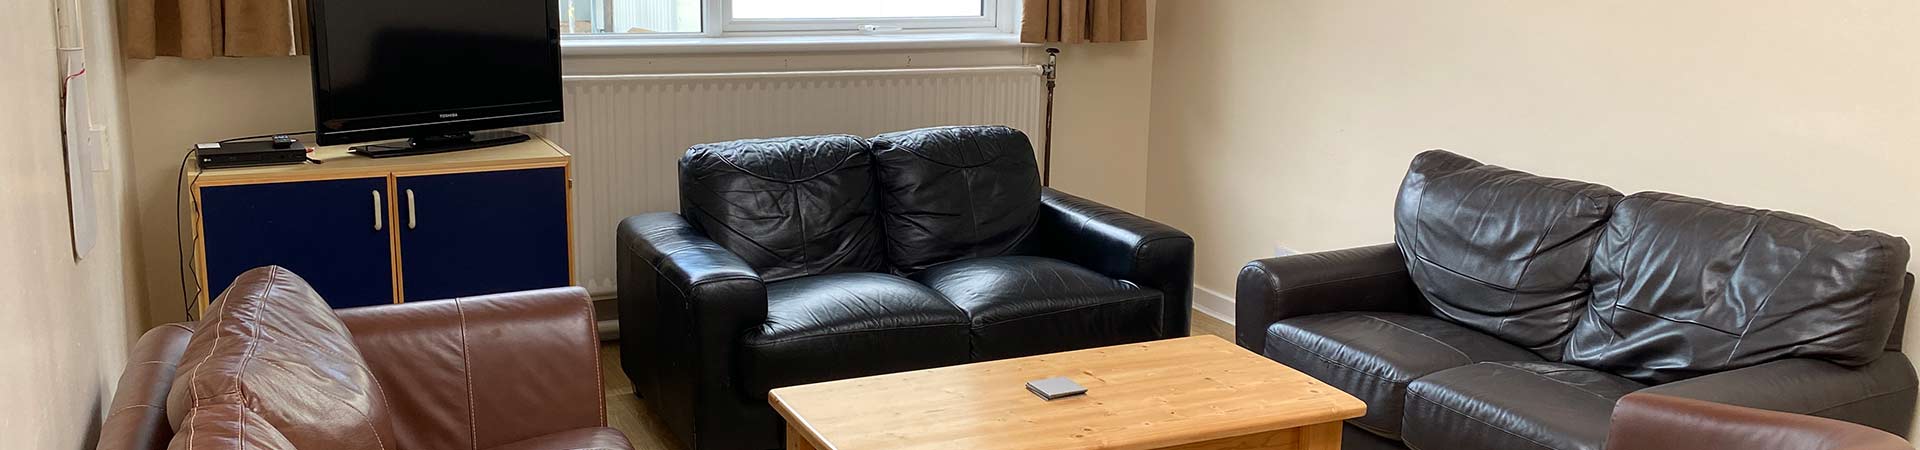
627,132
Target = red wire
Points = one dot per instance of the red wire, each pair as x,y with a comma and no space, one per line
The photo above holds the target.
63,85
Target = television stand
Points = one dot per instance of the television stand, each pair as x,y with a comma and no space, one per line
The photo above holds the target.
427,145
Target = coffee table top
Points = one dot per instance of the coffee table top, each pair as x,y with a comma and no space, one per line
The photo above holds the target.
1139,396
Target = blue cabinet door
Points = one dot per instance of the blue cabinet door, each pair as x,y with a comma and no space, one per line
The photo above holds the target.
331,233
481,233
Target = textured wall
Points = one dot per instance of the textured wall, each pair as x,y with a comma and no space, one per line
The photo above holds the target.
65,326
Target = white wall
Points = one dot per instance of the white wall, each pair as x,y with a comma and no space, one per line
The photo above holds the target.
66,325
1291,122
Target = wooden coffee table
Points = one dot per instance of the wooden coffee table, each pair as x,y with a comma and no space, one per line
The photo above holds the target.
1189,393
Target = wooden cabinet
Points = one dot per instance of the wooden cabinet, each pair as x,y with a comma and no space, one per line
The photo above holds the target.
482,232
368,231
331,232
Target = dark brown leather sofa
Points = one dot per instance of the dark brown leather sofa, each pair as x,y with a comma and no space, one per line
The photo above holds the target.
1513,311
1644,421
807,259
272,367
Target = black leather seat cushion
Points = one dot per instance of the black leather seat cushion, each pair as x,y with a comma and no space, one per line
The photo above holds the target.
1513,405
1375,355
1029,305
837,326
790,207
952,193
1500,250
1684,287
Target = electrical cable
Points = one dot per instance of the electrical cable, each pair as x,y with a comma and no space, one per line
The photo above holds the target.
263,136
187,299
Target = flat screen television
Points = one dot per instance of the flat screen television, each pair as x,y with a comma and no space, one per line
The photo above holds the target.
433,72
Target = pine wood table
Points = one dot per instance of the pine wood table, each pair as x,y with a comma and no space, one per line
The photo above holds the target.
1190,393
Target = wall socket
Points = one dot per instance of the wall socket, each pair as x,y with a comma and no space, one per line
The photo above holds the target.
1282,250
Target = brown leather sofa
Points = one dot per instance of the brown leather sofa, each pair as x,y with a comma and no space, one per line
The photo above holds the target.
272,367
1512,311
1645,421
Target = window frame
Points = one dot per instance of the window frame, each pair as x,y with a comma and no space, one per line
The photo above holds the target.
717,21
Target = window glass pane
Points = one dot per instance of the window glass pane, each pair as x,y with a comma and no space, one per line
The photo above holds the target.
629,16
831,9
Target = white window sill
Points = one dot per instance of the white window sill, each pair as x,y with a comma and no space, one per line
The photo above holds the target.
615,45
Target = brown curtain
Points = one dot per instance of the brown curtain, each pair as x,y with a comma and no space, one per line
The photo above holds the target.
1077,21
201,29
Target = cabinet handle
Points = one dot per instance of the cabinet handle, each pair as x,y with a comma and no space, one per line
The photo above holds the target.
377,206
411,214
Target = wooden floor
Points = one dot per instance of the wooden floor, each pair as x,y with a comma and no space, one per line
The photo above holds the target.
631,416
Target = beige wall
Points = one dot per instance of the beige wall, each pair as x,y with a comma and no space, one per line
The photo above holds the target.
1290,122
1100,122
65,326
175,103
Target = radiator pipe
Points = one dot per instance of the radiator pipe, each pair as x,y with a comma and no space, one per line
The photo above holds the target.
1049,71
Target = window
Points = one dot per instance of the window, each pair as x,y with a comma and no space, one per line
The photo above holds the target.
629,16
684,18
833,9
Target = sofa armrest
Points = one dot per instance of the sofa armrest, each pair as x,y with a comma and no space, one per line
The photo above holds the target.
1643,421
1372,278
1879,394
684,303
137,418
1121,245
485,370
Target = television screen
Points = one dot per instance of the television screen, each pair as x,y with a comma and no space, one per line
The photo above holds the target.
388,69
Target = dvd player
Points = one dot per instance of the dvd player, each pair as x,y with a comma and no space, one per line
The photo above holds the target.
247,154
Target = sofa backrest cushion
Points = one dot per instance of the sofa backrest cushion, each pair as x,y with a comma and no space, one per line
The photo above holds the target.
1498,250
790,207
1685,287
273,347
952,193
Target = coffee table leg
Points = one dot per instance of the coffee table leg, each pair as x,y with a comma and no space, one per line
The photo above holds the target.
797,442
1324,436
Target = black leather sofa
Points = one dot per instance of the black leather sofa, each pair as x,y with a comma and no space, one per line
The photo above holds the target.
1513,311
808,259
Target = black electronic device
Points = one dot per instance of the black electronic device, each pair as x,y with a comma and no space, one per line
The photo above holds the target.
246,154
433,72
418,146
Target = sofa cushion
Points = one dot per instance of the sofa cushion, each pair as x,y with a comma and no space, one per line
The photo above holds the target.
1513,405
1374,356
1684,287
1029,305
272,345
790,207
1500,250
227,426
830,327
952,193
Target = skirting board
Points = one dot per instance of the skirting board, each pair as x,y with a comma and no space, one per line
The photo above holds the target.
606,314
1215,304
